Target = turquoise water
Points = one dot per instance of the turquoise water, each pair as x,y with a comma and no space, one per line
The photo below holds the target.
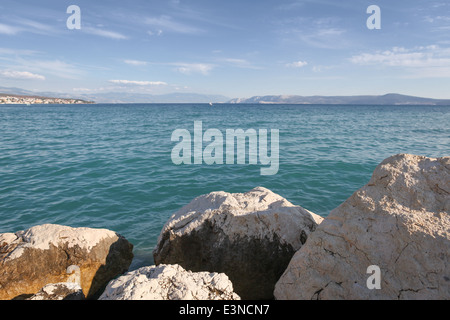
109,166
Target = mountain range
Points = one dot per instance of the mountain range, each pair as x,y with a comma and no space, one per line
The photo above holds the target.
123,97
388,99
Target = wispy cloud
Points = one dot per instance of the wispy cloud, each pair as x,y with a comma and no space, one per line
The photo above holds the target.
56,68
8,30
239,63
236,61
428,61
290,5
430,56
297,64
136,63
104,33
166,23
139,83
155,33
190,68
434,19
323,33
20,75
36,27
325,38
34,62
18,25
17,52
208,17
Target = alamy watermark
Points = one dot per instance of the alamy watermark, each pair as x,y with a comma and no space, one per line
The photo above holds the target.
229,150
374,281
374,21
74,20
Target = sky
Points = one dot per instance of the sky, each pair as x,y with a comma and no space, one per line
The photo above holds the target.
233,48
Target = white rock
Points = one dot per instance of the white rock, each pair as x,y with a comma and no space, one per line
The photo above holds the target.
399,222
276,216
169,282
7,238
43,236
59,291
250,236
32,258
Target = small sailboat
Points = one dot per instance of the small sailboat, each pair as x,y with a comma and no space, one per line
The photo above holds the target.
210,104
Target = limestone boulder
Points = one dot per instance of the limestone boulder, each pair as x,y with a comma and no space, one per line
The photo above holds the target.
33,258
399,223
169,282
59,291
251,237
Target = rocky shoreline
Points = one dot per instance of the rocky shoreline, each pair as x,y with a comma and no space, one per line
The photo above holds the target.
29,100
257,246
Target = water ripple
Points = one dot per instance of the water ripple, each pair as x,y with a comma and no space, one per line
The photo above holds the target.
109,166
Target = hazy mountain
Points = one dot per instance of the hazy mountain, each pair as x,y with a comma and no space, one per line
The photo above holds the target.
17,91
388,99
123,97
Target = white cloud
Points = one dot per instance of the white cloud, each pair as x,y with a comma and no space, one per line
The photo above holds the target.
139,83
189,68
104,33
418,62
18,52
37,27
155,33
240,63
8,30
322,68
21,75
430,56
135,62
22,59
324,33
55,67
236,61
297,64
166,23
325,38
436,19
27,25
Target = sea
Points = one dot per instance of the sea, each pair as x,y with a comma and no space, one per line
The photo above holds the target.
110,165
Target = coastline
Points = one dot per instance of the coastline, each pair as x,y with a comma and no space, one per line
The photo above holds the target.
7,99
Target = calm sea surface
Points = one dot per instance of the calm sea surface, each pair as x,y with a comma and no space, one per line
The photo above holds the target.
109,166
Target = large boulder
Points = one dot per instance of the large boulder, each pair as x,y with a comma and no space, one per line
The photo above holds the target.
33,258
169,282
389,240
250,237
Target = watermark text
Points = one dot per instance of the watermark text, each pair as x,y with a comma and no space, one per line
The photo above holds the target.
229,150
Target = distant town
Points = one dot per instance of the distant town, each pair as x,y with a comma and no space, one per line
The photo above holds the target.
29,100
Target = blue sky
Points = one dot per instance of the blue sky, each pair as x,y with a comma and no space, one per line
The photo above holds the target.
233,48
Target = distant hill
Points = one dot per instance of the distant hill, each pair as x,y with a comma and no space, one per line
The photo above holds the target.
8,98
21,95
388,99
124,97
178,97
16,91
